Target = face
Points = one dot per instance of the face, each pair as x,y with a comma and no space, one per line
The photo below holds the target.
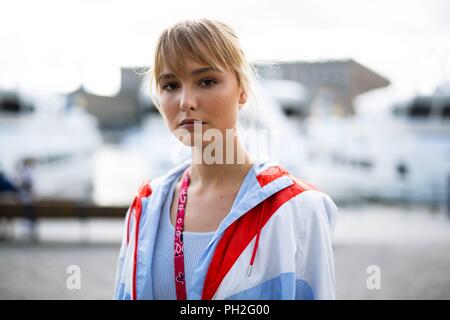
202,93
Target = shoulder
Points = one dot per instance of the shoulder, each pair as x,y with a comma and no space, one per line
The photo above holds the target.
145,197
316,208
301,200
299,192
310,204
151,186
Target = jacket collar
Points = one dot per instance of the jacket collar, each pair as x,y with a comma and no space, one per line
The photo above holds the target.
250,194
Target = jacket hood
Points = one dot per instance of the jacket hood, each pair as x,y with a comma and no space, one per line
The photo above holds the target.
264,178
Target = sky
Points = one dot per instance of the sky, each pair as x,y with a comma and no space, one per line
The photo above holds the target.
56,45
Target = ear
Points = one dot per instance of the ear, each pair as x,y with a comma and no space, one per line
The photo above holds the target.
242,97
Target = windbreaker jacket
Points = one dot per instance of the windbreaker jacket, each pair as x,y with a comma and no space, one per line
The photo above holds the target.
282,224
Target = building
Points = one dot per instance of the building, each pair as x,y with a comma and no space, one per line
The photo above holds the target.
120,111
332,84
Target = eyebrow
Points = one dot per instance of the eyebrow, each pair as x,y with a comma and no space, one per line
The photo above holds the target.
167,76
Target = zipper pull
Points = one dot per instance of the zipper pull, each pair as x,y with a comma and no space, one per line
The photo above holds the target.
249,272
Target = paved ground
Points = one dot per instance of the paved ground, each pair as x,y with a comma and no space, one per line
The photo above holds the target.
40,272
410,246
407,272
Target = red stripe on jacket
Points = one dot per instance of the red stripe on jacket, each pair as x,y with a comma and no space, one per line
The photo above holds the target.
136,207
241,232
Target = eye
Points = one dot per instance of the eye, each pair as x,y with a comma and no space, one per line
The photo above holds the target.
207,82
170,86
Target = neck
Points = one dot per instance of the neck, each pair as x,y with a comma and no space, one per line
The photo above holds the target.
212,176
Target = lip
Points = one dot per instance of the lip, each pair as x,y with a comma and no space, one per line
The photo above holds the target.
190,122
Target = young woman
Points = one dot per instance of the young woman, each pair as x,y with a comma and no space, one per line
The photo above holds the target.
223,224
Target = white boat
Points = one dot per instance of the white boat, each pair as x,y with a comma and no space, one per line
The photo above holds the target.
58,138
404,155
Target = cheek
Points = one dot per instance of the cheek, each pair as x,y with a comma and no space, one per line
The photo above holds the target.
225,107
169,111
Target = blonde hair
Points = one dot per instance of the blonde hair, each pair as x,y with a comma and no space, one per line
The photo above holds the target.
205,41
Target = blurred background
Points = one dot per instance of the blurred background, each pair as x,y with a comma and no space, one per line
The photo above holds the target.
358,93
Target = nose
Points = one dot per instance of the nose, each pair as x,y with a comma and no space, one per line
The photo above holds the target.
188,99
